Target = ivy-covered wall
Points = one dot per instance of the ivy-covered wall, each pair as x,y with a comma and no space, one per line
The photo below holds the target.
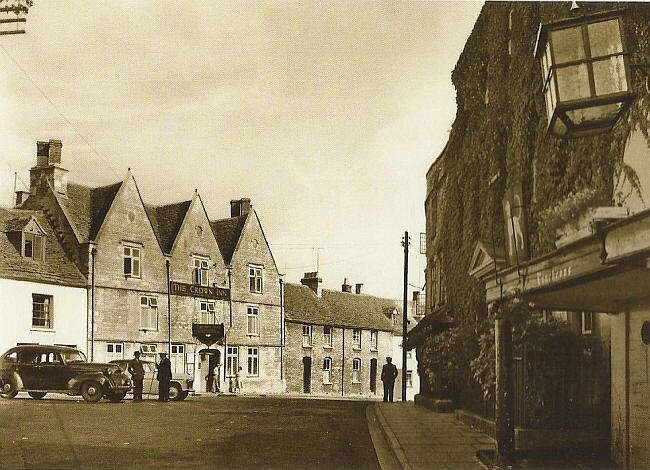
499,140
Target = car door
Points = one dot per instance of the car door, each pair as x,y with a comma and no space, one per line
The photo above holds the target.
54,374
28,369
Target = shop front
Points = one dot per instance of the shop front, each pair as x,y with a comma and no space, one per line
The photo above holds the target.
607,273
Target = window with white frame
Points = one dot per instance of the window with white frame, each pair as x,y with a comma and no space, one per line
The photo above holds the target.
306,336
206,308
131,258
373,340
587,323
200,270
232,360
408,355
253,321
356,370
253,361
409,378
33,246
42,313
148,312
327,370
114,351
177,358
255,279
356,338
327,336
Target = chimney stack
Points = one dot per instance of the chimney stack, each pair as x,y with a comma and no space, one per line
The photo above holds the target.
314,282
357,288
346,287
48,169
240,207
21,197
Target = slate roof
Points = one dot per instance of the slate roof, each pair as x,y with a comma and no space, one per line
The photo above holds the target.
56,268
337,308
166,221
87,207
227,232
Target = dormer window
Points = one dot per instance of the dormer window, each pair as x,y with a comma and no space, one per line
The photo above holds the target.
33,246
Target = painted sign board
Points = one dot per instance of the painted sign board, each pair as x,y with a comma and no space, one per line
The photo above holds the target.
515,226
193,290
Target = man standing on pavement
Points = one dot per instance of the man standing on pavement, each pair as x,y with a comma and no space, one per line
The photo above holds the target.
136,369
388,376
164,377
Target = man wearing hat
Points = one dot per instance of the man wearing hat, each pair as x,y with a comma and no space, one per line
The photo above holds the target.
136,369
388,376
164,377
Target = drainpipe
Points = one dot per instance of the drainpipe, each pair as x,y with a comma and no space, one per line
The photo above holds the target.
230,292
169,312
342,361
93,252
281,328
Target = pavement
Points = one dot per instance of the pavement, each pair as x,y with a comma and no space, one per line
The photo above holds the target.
410,437
421,439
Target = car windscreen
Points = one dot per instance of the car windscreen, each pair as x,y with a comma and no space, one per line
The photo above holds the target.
73,356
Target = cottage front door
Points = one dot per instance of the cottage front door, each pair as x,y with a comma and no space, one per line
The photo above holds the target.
306,374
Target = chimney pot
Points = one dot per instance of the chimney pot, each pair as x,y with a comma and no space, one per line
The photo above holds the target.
48,169
21,197
357,288
345,287
240,207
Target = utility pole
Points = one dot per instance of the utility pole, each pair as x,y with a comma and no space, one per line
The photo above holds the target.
405,244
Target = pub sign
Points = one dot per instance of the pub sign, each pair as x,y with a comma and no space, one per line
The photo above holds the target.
193,290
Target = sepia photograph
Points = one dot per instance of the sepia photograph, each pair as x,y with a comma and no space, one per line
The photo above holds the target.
333,235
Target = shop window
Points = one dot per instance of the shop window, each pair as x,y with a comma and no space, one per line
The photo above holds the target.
42,312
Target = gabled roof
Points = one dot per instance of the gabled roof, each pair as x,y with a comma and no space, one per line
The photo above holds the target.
166,222
227,232
87,207
486,259
56,268
336,308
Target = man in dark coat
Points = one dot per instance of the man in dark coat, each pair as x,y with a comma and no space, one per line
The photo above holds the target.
136,369
164,377
388,376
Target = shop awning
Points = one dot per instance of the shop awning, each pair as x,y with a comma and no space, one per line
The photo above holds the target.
432,324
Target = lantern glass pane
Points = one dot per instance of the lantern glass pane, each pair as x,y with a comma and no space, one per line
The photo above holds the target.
567,45
603,112
549,104
609,75
604,38
573,82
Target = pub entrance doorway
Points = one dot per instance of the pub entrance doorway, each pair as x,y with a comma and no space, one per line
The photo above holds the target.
210,380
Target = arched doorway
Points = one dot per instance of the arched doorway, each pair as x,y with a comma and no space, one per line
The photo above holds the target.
306,374
210,358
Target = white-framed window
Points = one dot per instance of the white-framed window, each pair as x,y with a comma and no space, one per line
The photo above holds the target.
253,321
327,336
587,322
149,348
306,336
373,340
356,370
356,338
200,270
42,311
131,258
409,378
114,351
232,360
177,358
253,361
409,355
327,370
148,312
33,246
206,307
255,279
395,318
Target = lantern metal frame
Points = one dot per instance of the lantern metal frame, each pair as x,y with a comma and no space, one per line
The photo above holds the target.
559,109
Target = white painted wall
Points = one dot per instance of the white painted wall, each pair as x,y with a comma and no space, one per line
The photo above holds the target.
411,364
69,308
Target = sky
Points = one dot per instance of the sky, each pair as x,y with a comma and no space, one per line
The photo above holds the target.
326,115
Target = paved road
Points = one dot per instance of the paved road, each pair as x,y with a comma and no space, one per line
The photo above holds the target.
202,432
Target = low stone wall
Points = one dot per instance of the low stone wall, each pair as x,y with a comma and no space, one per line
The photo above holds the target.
535,440
434,404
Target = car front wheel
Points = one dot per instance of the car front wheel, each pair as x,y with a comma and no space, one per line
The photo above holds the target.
175,392
8,390
37,395
91,391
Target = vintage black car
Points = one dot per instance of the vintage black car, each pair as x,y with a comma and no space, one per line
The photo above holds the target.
40,369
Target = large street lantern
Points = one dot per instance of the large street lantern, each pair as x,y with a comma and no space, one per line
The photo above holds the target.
586,73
